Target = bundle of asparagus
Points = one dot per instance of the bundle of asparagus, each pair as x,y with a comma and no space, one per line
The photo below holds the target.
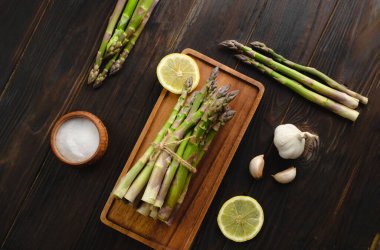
334,97
157,183
119,39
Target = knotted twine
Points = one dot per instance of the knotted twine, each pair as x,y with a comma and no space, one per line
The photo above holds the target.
163,146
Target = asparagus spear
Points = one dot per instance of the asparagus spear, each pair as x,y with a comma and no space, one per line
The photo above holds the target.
177,193
138,16
207,89
107,35
164,159
316,98
126,181
307,81
140,182
131,43
332,83
169,174
126,15
223,119
192,155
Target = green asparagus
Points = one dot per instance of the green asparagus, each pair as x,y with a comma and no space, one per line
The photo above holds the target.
336,95
332,83
316,98
107,35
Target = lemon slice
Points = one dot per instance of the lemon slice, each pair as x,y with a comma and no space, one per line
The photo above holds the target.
174,69
240,218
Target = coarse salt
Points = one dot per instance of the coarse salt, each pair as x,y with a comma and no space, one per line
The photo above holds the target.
77,139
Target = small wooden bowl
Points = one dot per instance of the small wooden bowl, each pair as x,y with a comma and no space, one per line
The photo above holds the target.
103,137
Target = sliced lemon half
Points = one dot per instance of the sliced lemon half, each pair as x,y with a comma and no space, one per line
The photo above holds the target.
240,218
174,69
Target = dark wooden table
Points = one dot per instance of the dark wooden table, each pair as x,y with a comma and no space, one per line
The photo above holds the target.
47,48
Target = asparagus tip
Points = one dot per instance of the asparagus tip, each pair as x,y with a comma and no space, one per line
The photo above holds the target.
242,57
99,81
188,84
232,95
93,75
231,44
228,115
214,73
115,67
222,91
258,44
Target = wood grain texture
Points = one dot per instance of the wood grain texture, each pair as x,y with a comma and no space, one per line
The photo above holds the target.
44,82
19,20
210,172
333,204
290,29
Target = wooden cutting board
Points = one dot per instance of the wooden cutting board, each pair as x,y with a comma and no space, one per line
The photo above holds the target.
211,169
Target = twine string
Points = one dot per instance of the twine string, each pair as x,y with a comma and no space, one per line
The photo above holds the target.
163,146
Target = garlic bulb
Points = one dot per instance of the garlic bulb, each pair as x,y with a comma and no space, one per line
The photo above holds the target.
290,141
285,176
256,166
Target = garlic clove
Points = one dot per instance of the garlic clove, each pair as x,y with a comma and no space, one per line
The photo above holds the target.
285,176
256,167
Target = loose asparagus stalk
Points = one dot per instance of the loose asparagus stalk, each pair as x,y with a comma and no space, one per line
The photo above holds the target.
126,15
178,191
316,98
164,159
131,43
307,81
107,35
138,16
331,82
126,181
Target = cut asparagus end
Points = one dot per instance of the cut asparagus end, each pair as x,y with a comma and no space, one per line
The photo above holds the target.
144,209
154,212
164,213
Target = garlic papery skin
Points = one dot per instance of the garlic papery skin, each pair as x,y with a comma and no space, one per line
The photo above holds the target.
256,167
290,141
285,176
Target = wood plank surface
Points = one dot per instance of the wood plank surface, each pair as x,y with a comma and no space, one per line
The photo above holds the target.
47,50
16,31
